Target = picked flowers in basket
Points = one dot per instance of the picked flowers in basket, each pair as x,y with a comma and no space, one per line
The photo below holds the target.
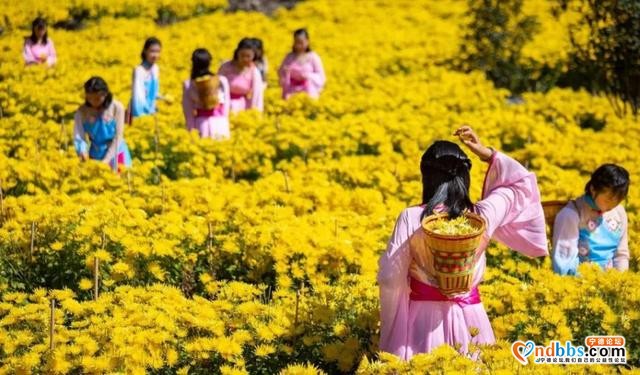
453,244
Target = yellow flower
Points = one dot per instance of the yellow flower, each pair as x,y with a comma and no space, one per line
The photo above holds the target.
298,369
264,350
474,331
171,357
340,330
85,284
103,255
205,278
228,370
157,271
532,330
120,268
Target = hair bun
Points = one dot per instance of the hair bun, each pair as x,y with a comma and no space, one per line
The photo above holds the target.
451,165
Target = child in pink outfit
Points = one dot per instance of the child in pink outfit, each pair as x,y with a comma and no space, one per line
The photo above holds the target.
38,48
415,316
301,70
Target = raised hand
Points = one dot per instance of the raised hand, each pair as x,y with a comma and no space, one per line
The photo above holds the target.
472,141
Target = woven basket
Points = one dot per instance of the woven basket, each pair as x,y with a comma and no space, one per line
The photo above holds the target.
551,209
207,89
454,255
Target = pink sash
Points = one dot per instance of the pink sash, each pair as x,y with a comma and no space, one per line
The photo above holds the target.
217,111
423,292
297,82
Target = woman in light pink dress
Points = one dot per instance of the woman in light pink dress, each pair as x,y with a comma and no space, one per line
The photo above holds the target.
38,48
415,316
301,70
245,82
212,122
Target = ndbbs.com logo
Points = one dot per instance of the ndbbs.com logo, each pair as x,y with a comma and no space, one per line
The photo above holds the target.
596,350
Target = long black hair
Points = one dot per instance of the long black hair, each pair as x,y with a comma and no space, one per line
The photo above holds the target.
245,43
445,178
152,41
38,23
302,32
200,63
258,49
609,176
97,84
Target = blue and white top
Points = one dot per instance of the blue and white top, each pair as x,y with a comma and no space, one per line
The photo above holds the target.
582,233
145,89
101,128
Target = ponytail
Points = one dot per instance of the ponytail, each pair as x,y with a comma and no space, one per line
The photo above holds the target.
445,179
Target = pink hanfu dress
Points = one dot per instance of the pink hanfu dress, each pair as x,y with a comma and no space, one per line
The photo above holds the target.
245,87
415,317
209,123
305,74
35,53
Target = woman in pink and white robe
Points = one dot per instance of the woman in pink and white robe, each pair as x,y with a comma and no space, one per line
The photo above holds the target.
415,316
245,82
301,70
209,122
38,48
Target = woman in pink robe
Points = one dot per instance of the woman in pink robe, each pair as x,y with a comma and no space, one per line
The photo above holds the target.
38,48
245,82
301,70
415,317
213,122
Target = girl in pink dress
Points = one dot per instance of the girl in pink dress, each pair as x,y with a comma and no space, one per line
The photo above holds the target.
415,316
38,48
301,70
245,82
206,110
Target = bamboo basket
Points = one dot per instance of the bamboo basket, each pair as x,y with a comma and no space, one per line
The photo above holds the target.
207,89
454,255
551,209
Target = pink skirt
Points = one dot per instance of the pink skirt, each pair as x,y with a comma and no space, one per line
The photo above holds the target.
215,127
435,319
239,103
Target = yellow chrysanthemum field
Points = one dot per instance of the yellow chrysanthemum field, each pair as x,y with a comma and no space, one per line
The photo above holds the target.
259,254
